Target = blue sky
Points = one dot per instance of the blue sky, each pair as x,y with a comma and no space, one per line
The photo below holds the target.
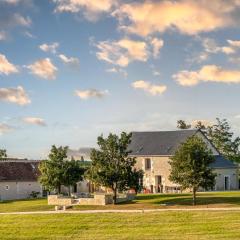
71,70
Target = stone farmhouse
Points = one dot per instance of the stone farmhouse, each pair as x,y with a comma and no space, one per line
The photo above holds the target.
19,177
153,150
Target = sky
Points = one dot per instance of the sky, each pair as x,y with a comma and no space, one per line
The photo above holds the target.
71,70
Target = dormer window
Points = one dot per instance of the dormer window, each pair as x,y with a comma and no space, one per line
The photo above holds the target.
147,163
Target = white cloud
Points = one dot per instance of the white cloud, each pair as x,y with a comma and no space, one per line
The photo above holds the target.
5,128
187,16
122,52
90,93
35,121
3,35
44,68
150,88
14,95
29,35
208,73
157,45
69,60
49,47
91,9
117,70
6,67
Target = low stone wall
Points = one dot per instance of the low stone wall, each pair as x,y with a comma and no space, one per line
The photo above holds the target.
98,199
59,200
126,197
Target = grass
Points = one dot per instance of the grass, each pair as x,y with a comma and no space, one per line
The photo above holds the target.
143,201
27,205
166,225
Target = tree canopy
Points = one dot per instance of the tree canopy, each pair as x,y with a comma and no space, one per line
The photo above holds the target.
58,171
111,165
3,154
190,166
221,136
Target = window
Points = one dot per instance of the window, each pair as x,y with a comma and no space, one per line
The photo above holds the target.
7,187
147,163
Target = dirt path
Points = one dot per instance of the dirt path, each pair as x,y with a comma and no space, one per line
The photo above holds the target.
121,211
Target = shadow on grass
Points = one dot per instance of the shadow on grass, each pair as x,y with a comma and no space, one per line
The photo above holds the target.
159,196
182,201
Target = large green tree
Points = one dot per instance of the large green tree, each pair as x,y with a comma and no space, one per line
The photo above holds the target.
58,171
221,135
181,124
73,173
223,138
111,165
3,154
190,166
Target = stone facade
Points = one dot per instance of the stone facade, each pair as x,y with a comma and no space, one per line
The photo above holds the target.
156,178
18,190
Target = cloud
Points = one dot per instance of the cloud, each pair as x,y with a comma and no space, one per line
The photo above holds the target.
49,47
35,121
3,35
44,68
69,60
29,35
91,93
149,88
157,44
205,122
211,46
6,67
91,9
14,95
117,70
5,128
208,73
8,20
187,16
122,52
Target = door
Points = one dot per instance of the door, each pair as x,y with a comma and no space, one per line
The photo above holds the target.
226,183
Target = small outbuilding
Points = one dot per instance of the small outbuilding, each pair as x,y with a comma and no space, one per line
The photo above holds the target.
19,179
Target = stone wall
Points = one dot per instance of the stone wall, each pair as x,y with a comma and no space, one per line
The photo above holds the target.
59,200
18,190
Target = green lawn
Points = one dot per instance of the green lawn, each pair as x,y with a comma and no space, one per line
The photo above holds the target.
166,225
143,201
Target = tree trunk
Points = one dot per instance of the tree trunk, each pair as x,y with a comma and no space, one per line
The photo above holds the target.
194,196
59,189
115,195
69,191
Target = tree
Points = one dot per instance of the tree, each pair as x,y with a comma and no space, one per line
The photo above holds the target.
52,170
190,166
181,124
222,137
73,173
134,179
111,165
3,154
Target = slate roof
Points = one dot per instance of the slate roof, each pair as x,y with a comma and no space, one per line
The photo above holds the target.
19,171
158,143
221,162
165,143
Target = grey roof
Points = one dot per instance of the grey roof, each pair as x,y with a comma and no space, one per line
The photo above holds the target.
158,143
221,162
165,143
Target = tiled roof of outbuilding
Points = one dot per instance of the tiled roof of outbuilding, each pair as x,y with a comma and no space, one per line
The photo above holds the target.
19,171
